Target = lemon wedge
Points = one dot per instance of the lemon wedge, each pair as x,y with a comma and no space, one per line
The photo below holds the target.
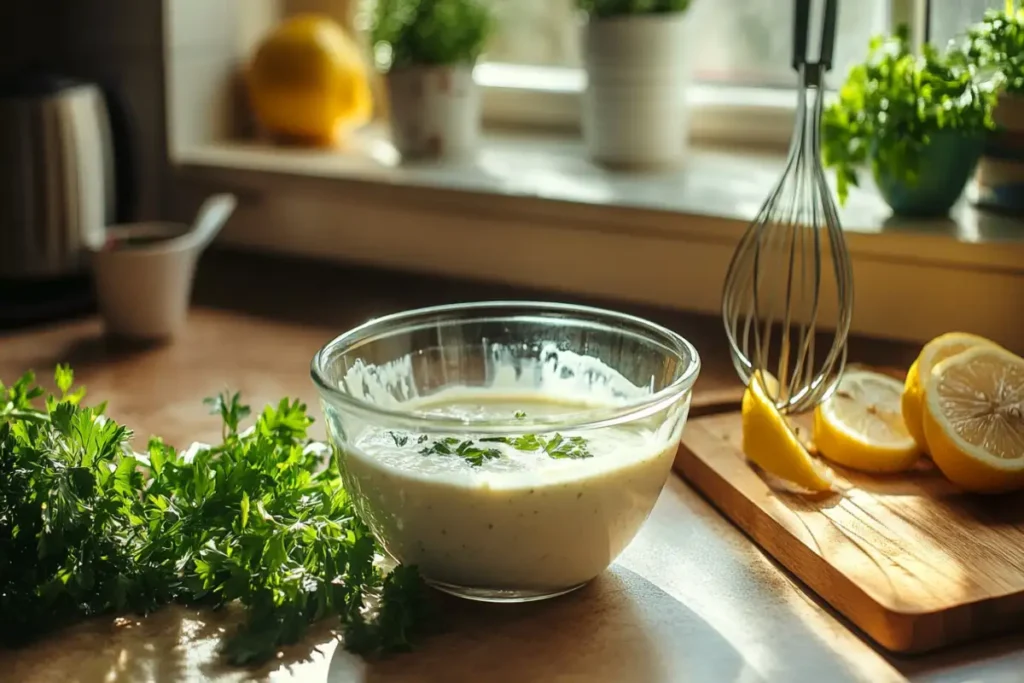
974,419
933,353
770,442
860,425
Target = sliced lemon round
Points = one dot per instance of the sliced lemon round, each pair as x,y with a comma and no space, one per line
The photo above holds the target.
974,419
933,353
860,425
770,442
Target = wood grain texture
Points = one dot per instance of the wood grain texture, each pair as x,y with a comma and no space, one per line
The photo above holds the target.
908,558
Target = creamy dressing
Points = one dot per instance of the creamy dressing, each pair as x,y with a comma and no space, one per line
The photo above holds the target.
519,521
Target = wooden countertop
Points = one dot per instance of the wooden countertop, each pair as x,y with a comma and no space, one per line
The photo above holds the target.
691,599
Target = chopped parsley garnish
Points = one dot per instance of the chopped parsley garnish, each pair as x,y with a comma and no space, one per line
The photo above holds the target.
573,447
464,449
87,527
557,446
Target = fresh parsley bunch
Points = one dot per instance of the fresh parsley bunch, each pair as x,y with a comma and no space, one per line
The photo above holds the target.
894,103
430,32
997,44
71,518
614,8
88,527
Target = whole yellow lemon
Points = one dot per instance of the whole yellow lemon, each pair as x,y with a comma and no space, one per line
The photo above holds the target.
308,81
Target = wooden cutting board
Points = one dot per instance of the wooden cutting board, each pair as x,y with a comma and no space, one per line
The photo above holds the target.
912,561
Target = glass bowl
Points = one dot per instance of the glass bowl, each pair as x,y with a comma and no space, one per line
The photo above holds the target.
510,450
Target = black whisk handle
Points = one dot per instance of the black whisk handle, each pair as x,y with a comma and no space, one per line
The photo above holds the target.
828,34
801,28
801,25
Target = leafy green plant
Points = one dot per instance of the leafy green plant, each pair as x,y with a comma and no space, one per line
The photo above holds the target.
997,44
88,527
617,8
429,32
893,104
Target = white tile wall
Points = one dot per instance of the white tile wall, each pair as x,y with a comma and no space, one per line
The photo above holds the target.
254,22
206,48
203,24
201,98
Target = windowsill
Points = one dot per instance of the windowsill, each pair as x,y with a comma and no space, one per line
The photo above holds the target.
715,183
540,189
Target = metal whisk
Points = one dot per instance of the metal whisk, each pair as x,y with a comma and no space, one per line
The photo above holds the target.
793,259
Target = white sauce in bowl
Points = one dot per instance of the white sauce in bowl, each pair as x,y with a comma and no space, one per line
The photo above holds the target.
521,520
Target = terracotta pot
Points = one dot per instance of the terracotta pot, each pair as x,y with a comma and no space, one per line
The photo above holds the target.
435,111
639,68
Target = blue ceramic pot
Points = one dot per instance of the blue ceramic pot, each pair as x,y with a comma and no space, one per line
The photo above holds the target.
947,163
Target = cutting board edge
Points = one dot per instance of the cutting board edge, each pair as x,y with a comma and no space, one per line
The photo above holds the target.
898,631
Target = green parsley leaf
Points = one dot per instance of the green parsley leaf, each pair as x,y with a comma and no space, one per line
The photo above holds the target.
64,377
574,447
230,409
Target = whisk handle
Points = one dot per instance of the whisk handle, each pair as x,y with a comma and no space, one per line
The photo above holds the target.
801,25
828,34
801,28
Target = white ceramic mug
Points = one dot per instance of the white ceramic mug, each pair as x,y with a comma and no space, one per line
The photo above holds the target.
143,272
144,279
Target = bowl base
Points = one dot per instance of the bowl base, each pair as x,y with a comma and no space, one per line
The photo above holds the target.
500,595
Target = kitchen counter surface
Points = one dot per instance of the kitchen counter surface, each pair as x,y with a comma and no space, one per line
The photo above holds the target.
692,599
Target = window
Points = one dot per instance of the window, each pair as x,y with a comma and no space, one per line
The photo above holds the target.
949,18
742,51
736,42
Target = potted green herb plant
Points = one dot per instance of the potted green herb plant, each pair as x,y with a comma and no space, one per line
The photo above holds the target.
637,58
996,45
428,49
920,120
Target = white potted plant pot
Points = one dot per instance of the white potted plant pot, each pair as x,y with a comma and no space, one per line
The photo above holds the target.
638,68
435,111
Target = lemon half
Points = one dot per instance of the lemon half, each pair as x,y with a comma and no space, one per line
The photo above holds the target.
933,353
770,442
974,419
861,426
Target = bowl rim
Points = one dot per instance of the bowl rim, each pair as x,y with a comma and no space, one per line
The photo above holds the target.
633,409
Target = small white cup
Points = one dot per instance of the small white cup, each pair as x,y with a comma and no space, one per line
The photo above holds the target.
143,279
